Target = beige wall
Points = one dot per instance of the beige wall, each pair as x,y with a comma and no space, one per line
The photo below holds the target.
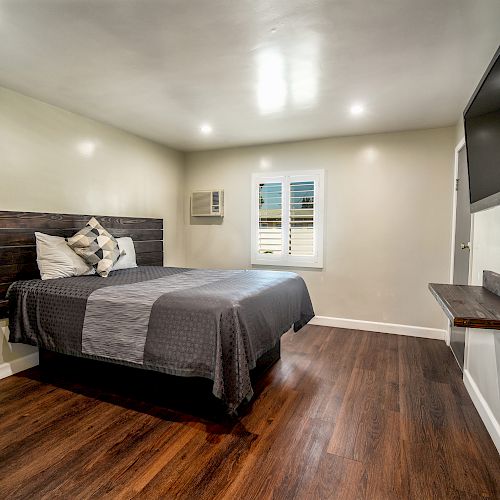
388,219
388,206
45,166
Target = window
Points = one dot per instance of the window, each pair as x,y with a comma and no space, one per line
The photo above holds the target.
287,219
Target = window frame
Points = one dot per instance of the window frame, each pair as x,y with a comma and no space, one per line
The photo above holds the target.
286,178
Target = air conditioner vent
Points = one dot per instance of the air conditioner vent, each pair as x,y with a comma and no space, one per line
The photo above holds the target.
207,203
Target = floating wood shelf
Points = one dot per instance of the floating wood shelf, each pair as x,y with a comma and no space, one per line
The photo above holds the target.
468,306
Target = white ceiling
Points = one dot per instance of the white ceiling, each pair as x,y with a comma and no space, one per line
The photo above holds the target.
258,71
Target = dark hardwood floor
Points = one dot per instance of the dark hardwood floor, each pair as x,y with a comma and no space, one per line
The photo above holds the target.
344,414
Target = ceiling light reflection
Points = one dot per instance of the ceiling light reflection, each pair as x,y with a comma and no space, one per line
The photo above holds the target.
288,81
305,73
265,163
357,109
370,154
206,129
86,148
271,81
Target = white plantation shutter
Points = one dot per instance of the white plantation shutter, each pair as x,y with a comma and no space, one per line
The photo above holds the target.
287,225
301,218
270,214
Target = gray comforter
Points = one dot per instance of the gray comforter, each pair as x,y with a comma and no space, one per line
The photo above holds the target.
207,323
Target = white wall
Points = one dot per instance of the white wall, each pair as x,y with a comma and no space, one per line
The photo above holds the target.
47,165
388,219
482,357
486,243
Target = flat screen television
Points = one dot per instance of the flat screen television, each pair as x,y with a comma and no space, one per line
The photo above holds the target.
482,137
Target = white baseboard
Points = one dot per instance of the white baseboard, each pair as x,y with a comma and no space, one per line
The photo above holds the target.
374,326
482,407
18,365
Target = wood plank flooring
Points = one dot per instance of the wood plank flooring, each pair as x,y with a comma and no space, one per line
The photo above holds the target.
344,414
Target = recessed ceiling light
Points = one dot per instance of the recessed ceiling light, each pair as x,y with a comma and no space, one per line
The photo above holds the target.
206,129
357,109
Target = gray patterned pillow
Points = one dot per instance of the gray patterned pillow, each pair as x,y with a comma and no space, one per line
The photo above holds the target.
96,246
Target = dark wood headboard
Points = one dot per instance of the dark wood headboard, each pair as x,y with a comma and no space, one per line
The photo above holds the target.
18,250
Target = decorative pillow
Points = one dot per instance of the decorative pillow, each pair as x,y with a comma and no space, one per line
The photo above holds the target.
55,258
96,246
126,261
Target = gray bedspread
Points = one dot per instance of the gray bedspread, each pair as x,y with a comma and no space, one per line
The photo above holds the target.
189,322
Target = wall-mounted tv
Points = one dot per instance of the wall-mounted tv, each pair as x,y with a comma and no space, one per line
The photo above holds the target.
482,137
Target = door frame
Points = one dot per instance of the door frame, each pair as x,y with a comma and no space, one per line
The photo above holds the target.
458,147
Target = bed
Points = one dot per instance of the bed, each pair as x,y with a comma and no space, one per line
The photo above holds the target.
214,324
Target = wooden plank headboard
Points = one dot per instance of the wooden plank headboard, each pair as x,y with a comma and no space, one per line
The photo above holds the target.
18,250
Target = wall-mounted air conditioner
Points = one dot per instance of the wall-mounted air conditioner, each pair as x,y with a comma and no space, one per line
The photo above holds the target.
207,203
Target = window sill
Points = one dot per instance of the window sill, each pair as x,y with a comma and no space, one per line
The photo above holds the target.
278,264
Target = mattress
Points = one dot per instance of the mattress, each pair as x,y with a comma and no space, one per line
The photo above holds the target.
188,322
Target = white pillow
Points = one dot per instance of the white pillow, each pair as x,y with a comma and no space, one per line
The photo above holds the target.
56,259
128,260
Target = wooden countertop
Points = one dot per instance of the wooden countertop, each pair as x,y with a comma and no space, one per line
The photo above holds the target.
468,306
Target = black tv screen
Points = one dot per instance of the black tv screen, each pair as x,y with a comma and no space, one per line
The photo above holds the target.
482,136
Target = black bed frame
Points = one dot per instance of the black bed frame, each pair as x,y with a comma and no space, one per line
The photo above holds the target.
146,390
